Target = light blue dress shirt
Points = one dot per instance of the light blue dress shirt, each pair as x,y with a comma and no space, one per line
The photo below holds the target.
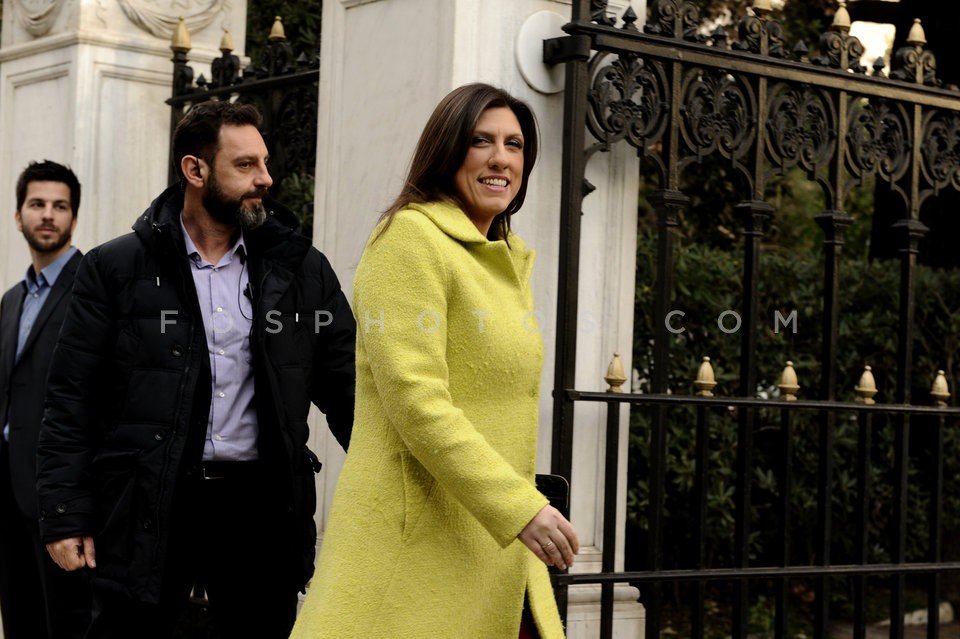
227,319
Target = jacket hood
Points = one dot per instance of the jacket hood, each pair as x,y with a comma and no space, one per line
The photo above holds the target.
278,238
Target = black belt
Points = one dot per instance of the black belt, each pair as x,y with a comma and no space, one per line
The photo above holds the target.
230,469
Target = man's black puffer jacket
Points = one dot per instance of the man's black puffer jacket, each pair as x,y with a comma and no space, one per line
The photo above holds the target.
129,391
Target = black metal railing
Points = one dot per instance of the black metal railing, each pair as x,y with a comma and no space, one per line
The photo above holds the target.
677,94
778,569
284,88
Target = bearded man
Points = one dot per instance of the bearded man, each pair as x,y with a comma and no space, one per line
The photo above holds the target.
173,452
37,599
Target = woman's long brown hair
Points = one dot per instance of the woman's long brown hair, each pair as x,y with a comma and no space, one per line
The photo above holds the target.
444,143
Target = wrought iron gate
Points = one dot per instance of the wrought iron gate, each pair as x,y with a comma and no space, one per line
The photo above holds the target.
677,94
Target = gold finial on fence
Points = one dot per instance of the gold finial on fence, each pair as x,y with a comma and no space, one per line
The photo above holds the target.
762,7
705,379
277,34
917,37
866,388
940,392
615,376
226,42
788,383
841,19
180,42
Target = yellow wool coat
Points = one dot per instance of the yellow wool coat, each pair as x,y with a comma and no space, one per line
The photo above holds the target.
439,479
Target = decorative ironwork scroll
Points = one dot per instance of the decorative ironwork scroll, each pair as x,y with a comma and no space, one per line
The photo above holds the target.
801,127
717,114
674,18
941,151
879,140
760,36
628,101
629,98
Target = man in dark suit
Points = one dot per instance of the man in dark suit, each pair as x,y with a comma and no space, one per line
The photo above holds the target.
37,599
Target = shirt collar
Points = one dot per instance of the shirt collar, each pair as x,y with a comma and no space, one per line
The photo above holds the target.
239,247
48,275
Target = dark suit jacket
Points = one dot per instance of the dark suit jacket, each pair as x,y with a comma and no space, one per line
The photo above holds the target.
23,385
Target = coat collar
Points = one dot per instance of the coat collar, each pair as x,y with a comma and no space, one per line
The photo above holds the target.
451,219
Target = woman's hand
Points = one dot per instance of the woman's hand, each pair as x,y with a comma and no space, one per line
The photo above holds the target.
551,538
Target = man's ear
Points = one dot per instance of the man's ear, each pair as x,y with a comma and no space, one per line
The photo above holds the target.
192,168
18,219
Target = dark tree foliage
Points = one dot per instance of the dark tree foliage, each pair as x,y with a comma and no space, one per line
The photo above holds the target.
939,20
803,20
301,22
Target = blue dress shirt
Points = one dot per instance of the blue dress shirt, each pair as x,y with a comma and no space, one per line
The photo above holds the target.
227,320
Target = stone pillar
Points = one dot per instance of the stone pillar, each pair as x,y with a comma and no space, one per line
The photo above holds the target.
83,82
384,66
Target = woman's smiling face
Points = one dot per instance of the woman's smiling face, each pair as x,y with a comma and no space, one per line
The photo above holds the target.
492,170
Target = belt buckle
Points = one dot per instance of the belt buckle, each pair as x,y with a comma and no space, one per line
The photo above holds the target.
207,474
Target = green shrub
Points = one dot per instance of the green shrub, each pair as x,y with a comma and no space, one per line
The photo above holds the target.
707,277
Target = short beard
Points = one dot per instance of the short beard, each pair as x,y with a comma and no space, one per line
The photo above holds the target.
233,211
46,246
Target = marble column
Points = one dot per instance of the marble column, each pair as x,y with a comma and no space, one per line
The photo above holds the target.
83,82
384,66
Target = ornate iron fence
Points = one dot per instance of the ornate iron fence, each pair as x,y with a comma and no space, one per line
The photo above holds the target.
678,93
282,87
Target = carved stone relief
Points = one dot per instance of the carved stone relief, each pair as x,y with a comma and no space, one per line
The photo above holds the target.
159,17
37,16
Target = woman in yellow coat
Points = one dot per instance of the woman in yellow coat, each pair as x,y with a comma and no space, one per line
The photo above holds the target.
436,529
